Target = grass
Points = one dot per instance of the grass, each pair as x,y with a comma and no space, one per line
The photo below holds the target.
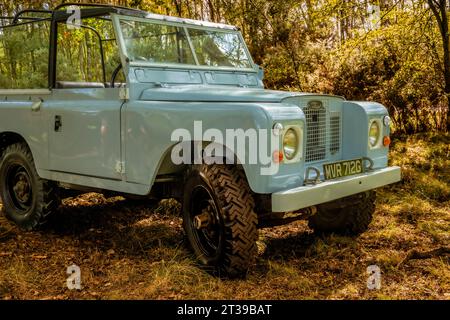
136,250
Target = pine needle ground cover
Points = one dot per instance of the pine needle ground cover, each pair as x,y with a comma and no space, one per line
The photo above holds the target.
136,250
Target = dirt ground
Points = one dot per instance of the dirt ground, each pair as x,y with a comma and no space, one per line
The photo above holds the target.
137,250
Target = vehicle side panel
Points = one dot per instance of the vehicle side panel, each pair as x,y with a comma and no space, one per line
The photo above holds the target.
16,116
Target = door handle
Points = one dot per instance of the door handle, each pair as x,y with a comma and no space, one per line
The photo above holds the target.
58,123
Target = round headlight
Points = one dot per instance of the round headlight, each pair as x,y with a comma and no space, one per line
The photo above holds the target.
387,121
290,144
374,133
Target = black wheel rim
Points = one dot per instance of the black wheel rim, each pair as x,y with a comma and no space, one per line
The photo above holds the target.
19,188
209,238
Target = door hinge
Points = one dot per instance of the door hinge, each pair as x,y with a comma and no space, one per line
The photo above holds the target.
124,93
36,106
120,167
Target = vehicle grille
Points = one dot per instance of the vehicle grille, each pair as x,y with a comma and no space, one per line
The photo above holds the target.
316,129
335,132
317,132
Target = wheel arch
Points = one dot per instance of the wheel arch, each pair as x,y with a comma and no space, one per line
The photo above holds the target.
166,165
37,147
8,138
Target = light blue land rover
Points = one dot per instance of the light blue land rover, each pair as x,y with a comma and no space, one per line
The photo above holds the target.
109,99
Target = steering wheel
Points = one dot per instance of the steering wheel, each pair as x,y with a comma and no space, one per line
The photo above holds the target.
115,74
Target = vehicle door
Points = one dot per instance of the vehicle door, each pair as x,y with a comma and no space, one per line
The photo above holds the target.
84,113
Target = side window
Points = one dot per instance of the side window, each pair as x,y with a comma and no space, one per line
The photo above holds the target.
24,53
80,51
78,55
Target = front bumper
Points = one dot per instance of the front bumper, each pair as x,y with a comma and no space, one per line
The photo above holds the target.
307,196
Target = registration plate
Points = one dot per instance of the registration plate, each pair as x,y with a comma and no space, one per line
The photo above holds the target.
342,168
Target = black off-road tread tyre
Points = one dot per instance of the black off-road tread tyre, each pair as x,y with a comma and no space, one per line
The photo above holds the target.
45,199
351,220
230,187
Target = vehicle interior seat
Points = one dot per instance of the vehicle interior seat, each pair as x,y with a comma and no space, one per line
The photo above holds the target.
78,85
88,85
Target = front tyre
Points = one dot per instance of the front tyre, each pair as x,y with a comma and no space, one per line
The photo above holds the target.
219,218
350,216
27,199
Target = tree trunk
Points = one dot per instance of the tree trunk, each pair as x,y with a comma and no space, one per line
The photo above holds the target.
439,8
445,44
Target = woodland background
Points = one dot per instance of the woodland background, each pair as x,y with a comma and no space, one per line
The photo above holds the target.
397,54
137,249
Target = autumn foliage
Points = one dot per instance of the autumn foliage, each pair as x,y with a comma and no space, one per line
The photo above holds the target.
394,52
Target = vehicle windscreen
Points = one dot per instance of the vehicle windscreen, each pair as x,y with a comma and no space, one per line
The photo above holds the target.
150,42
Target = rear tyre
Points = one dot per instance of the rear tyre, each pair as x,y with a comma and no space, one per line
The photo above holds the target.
219,219
27,199
351,217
